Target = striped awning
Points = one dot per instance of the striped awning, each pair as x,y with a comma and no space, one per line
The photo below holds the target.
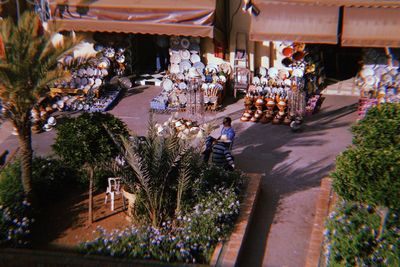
371,27
303,23
171,17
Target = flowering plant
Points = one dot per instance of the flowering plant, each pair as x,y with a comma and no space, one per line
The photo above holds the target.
352,237
191,237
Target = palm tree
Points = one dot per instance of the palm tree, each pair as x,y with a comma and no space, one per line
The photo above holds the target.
28,65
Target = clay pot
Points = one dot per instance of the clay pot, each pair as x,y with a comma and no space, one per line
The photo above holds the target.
287,120
131,202
259,102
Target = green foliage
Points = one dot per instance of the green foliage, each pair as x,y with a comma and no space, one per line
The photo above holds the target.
379,129
192,238
11,191
352,237
52,178
369,176
84,139
158,171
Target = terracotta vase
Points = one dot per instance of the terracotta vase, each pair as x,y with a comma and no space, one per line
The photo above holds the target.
131,202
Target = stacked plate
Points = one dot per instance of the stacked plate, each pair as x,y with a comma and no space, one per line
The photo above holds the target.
184,54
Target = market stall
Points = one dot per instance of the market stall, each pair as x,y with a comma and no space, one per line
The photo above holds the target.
288,94
377,84
94,85
188,79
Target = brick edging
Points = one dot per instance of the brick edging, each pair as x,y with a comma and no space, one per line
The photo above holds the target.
325,202
234,245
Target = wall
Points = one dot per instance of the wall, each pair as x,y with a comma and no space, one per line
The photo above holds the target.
259,52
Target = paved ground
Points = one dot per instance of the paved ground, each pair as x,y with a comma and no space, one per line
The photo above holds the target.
292,165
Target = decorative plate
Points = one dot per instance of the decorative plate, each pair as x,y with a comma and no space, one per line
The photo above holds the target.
182,86
185,43
174,68
194,58
262,71
91,81
167,85
175,58
367,71
185,54
199,65
104,72
287,51
185,65
370,80
98,82
263,80
84,81
256,80
272,72
180,76
298,73
283,74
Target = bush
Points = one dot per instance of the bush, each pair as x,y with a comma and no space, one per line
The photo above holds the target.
369,176
11,191
52,178
192,238
15,212
352,237
379,129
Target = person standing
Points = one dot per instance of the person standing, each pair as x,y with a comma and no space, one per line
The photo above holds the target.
162,43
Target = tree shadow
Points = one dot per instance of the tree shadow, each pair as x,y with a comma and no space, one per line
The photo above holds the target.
285,169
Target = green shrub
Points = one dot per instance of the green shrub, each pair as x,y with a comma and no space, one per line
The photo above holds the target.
11,191
52,178
379,129
15,211
352,237
369,176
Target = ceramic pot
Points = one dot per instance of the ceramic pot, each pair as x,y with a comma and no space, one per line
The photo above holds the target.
131,202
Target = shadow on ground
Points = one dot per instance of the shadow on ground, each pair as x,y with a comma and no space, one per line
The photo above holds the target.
290,163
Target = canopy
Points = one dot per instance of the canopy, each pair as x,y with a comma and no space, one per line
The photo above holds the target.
371,27
171,17
287,22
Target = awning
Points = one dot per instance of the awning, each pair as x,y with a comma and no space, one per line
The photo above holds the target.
371,27
292,22
171,17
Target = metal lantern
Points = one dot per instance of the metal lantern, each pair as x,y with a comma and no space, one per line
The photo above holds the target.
195,99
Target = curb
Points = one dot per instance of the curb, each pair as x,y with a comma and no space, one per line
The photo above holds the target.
326,200
228,254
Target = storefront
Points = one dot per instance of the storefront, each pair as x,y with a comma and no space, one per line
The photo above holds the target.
122,37
344,25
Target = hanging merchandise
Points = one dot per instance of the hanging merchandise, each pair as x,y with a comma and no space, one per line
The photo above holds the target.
186,66
285,95
377,84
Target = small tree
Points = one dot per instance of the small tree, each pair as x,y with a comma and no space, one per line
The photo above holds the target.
28,65
160,170
84,142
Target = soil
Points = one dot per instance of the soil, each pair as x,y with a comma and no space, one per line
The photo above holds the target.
63,224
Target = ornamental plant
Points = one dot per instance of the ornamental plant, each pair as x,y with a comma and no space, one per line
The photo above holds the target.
369,172
352,237
83,142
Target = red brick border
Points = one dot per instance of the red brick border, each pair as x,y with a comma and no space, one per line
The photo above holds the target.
325,203
232,249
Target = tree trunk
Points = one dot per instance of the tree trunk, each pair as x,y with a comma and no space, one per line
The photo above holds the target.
383,213
90,170
26,154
